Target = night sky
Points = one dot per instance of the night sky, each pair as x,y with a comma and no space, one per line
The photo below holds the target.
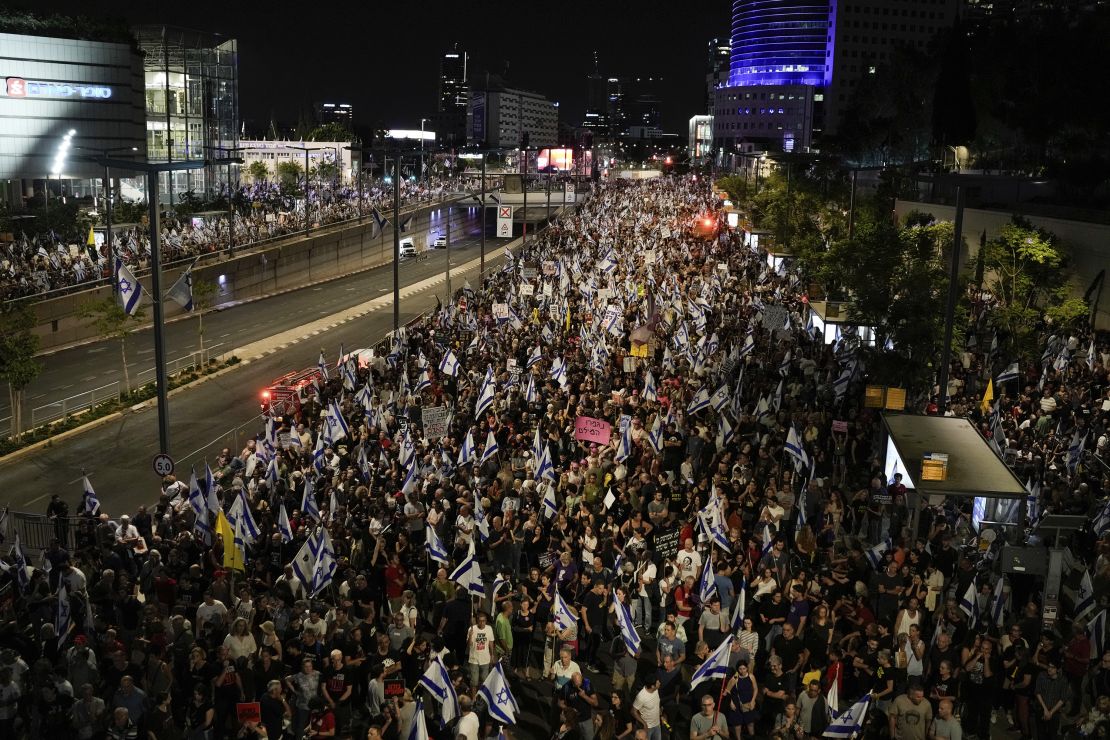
383,57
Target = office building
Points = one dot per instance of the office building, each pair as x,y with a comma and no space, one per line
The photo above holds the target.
717,66
795,63
597,120
271,153
50,86
499,116
642,105
342,114
453,80
192,105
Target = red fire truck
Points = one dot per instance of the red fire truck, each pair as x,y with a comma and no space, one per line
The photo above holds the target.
285,395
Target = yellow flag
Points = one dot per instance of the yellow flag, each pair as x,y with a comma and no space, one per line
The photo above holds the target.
91,241
988,397
233,556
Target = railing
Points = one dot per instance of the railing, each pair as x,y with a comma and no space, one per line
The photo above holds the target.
192,361
241,249
74,404
37,531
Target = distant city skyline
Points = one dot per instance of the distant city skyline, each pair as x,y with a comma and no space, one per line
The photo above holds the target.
386,61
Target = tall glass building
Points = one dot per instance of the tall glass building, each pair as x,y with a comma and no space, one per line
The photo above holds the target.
192,105
781,42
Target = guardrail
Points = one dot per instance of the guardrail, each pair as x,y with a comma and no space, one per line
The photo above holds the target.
73,404
193,360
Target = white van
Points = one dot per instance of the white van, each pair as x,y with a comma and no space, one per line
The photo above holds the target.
408,247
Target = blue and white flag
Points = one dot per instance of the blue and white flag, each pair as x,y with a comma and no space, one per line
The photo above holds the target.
624,620
90,503
850,723
739,607
707,585
768,542
875,554
1010,373
466,452
1102,520
21,574
130,290
563,615
468,574
530,395
655,436
698,402
181,292
998,602
544,469
969,604
1084,596
437,681
650,393
245,519
419,729
284,527
322,365
62,619
434,546
481,521
318,461
308,500
485,394
795,449
550,507
196,497
624,449
499,699
715,666
380,220
449,365
1091,356
559,371
491,449
210,490
748,346
335,426
1096,631
534,358
1075,451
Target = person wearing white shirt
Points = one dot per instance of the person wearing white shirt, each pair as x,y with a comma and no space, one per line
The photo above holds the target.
689,560
645,708
468,721
641,604
126,533
480,643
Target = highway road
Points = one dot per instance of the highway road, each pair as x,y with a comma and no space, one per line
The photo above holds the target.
76,370
222,411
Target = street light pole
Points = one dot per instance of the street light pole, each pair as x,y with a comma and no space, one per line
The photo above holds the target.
524,209
852,207
482,240
159,319
396,240
953,296
448,252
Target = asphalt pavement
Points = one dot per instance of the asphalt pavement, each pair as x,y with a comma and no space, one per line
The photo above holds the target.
223,411
76,370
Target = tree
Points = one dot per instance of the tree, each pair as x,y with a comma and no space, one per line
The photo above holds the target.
288,172
1027,270
330,132
258,171
204,297
109,320
18,365
326,169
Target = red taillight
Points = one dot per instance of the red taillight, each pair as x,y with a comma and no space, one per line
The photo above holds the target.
265,394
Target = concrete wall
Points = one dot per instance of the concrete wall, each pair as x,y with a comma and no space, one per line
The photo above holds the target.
1088,243
289,263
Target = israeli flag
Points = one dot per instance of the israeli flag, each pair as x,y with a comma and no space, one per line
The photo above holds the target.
449,365
1096,631
875,554
423,382
1010,373
624,450
530,395
434,546
322,365
998,601
308,500
499,699
698,402
650,393
795,449
318,461
535,357
284,527
1075,451
437,681
20,559
91,504
380,220
544,469
419,729
1091,357
196,498
537,444
1085,596
850,723
130,290
624,621
466,452
481,522
715,666
491,448
727,433
559,371
739,607
62,619
550,507
246,519
211,488
768,542
564,616
485,395
655,436
969,604
408,485
469,575
181,292
748,346
707,586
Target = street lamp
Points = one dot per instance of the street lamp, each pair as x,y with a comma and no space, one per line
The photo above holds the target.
59,163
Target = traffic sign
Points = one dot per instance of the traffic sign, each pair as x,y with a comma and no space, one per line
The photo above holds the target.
162,464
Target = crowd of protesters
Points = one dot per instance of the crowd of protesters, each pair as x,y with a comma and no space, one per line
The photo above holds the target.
640,435
37,263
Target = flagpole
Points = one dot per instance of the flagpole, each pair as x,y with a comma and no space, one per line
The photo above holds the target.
720,698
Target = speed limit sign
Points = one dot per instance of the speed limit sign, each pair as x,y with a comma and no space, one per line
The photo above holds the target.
163,465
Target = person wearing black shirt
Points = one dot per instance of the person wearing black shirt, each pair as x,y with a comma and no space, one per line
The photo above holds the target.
788,647
594,610
455,622
774,693
274,709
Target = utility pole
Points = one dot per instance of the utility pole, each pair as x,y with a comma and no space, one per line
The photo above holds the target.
524,210
482,239
953,296
396,240
852,207
448,253
159,319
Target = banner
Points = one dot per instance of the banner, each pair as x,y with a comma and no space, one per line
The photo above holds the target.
589,429
435,422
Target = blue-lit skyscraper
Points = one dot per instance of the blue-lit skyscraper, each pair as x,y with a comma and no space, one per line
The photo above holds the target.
781,42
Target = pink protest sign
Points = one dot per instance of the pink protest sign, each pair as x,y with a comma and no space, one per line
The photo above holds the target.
589,429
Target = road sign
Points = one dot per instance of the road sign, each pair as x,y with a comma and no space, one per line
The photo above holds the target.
162,464
504,221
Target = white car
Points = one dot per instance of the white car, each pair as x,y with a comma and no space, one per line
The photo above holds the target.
408,247
440,242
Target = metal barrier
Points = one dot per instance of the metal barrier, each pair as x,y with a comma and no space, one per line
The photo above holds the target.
192,361
73,404
37,531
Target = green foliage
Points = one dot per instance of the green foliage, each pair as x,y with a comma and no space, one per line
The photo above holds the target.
108,318
737,188
18,345
288,172
257,170
330,132
189,203
1027,270
125,212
